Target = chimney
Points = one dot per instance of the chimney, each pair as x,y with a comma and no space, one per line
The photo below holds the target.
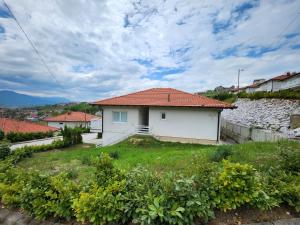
169,98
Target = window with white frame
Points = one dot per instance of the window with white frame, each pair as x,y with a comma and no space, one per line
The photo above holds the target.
119,117
163,116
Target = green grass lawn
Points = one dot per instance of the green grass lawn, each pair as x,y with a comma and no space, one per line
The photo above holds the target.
152,154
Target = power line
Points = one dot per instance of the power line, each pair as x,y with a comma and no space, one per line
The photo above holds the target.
286,27
32,45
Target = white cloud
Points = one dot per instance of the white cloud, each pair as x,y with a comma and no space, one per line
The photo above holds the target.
108,37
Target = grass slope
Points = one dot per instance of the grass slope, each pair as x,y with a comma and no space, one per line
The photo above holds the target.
153,154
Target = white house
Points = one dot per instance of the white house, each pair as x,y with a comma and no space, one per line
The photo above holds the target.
282,82
166,113
75,119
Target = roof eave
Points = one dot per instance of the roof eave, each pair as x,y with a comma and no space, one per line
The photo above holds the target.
188,106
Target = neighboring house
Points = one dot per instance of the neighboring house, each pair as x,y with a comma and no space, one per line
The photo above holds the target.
74,119
282,82
16,126
166,113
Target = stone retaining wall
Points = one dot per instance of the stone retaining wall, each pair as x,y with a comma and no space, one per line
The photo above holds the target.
268,114
241,133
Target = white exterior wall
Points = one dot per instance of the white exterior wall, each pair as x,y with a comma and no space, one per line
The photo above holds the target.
114,132
68,124
265,86
250,90
96,125
290,83
184,123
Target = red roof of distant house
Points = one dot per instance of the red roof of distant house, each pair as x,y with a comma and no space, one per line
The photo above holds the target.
16,126
164,97
284,76
71,117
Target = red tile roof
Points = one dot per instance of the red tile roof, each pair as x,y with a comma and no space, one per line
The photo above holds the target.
164,97
284,76
10,125
72,117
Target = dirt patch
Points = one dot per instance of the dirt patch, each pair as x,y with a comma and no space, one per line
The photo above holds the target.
246,215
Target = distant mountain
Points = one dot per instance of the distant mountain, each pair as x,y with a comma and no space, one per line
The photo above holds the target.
11,99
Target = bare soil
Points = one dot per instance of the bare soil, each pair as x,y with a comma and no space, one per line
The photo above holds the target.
247,215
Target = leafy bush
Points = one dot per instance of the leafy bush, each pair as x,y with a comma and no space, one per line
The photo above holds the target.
19,137
235,185
282,94
282,187
106,173
114,155
27,151
150,199
86,160
45,196
71,136
222,152
144,197
290,159
101,205
1,135
4,150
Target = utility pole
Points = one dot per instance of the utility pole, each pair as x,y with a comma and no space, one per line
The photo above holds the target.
239,72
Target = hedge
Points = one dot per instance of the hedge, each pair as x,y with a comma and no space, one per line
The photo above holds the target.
139,196
283,94
19,137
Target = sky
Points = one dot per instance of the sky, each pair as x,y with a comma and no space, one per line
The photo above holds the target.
102,48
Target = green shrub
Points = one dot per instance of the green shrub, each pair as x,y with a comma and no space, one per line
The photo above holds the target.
1,135
114,155
282,94
86,160
236,185
282,187
4,150
105,171
72,173
290,159
150,199
291,194
45,196
71,136
222,152
101,205
19,137
11,185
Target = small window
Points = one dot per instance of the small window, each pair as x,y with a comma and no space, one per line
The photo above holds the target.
120,117
61,123
163,115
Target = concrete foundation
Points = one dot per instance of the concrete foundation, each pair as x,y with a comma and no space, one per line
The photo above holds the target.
187,140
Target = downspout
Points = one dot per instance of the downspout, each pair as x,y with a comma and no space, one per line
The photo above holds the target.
218,128
272,87
102,114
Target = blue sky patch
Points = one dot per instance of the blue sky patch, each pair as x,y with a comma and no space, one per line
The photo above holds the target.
4,13
237,14
227,52
160,72
296,46
258,52
83,68
292,35
2,30
144,62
